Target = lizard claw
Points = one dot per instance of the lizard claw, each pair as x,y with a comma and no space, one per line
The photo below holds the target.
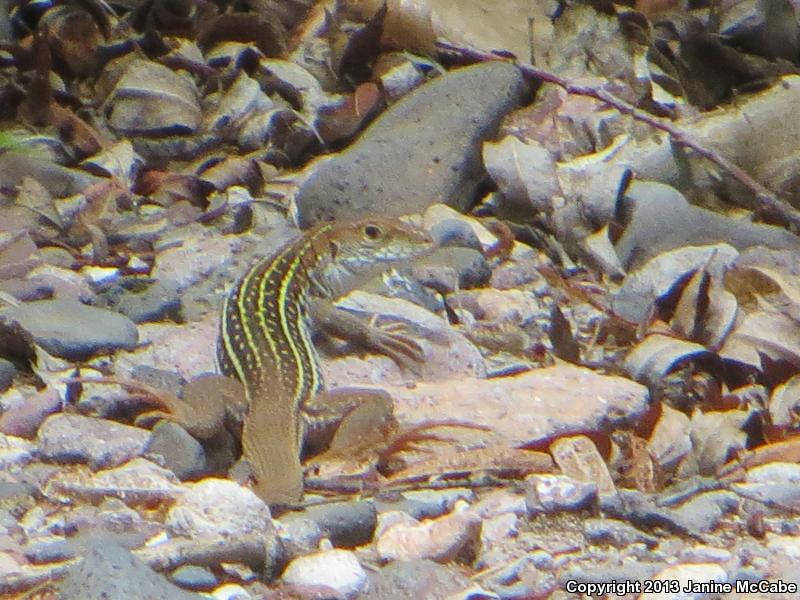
398,346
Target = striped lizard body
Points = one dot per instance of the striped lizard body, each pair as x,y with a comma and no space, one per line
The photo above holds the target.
266,331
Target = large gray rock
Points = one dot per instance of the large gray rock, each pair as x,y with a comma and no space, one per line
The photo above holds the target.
110,572
72,330
424,149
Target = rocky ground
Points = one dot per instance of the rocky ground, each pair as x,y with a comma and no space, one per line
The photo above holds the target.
608,401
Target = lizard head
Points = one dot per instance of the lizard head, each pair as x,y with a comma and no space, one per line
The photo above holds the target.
377,244
356,251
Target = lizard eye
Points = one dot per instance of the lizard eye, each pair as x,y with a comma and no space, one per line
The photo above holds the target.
373,232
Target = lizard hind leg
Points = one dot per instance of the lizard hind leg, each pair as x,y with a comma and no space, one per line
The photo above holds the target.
346,419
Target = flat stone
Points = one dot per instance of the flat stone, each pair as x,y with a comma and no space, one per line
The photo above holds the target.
52,549
425,149
425,504
443,540
138,481
705,511
71,330
142,301
98,442
525,408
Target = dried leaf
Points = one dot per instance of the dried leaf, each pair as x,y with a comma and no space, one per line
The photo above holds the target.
525,173
773,335
564,344
705,312
784,404
578,458
657,355
74,130
339,123
664,272
752,284
18,254
265,32
670,441
74,37
788,451
353,63
408,26
34,196
150,99
716,437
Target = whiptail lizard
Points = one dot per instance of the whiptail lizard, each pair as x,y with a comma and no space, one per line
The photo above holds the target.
266,331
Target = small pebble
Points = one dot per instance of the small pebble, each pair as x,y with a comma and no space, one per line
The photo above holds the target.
299,536
556,493
142,300
49,549
455,232
193,577
220,507
181,453
231,591
100,274
499,502
25,418
495,529
336,569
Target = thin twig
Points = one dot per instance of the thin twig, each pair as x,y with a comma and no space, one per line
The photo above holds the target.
767,200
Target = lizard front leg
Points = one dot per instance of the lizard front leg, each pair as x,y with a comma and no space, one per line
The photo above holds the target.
384,340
